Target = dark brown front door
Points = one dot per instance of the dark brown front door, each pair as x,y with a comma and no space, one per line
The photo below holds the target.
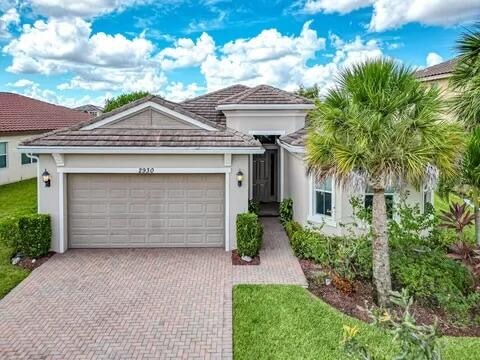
265,170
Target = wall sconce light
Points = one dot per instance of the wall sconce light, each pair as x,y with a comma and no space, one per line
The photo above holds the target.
240,178
46,178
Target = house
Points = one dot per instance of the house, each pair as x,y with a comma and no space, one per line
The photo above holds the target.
437,75
155,173
20,118
93,110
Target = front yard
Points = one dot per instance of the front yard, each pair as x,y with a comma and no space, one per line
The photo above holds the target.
287,322
15,199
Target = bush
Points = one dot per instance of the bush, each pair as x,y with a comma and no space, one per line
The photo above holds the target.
292,227
286,210
253,206
249,234
29,235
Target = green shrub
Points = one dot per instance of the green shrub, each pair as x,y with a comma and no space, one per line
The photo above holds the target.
29,235
249,234
253,206
292,227
286,210
430,275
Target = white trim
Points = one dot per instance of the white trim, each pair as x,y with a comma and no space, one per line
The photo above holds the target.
266,132
282,173
139,150
265,107
320,218
61,213
31,156
227,212
227,159
292,148
125,170
250,177
59,159
435,77
143,106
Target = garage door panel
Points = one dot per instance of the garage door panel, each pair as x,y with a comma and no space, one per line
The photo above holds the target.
130,210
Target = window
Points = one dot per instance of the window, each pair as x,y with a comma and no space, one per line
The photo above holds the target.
3,154
27,160
368,202
323,198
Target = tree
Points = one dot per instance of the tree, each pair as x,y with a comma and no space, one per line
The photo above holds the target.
123,99
312,92
465,80
381,127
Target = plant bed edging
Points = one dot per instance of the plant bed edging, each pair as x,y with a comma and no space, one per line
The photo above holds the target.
237,259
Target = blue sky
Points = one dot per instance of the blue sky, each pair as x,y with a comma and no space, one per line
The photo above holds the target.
83,51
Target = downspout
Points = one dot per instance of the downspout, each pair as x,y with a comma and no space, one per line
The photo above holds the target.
34,157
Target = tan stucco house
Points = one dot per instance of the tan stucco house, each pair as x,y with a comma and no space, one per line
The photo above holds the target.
155,173
20,118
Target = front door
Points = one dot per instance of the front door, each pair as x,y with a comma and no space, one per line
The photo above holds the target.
265,170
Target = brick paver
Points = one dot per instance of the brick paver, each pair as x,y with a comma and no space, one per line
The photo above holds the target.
136,303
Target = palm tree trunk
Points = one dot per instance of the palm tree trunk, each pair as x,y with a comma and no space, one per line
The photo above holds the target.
381,254
477,223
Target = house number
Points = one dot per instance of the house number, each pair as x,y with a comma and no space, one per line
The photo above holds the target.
146,170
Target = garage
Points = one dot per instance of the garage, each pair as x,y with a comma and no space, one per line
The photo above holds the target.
133,210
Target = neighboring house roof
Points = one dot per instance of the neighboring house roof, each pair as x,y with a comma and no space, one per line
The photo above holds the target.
77,135
88,107
295,139
443,69
265,94
205,105
20,113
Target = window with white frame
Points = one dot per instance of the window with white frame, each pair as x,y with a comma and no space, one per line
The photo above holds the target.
28,160
323,197
3,154
368,202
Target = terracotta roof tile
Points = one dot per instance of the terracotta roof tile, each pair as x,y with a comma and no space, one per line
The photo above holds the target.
443,68
265,94
19,113
295,139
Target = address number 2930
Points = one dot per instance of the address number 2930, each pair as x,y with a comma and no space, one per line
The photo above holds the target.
144,170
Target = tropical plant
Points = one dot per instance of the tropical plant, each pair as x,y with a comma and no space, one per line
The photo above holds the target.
286,210
461,251
465,79
458,217
381,127
123,99
312,92
254,206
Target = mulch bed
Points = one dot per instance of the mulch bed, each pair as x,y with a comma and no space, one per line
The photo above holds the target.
237,259
27,263
354,304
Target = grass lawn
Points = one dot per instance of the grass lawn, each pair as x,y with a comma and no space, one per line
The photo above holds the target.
287,322
15,199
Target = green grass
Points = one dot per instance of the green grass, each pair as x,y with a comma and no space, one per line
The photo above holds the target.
15,199
287,322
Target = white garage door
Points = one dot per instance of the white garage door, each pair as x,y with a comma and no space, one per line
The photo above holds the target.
130,210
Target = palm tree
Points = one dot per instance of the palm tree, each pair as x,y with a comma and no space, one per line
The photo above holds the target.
381,127
470,179
465,80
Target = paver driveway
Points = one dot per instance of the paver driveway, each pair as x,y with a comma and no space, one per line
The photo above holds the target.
130,304
103,304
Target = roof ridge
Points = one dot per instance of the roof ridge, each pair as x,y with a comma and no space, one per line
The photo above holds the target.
213,92
240,95
245,94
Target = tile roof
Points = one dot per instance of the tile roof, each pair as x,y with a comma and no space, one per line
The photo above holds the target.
113,137
443,68
20,113
295,139
88,107
265,94
205,105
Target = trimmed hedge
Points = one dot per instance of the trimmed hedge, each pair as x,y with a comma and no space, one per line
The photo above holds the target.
29,235
249,234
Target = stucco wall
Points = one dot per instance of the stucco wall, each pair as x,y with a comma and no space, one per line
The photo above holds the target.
248,121
15,171
298,186
49,197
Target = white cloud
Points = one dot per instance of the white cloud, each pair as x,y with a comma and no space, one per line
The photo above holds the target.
22,83
178,91
269,57
186,52
433,59
7,19
334,6
390,14
82,8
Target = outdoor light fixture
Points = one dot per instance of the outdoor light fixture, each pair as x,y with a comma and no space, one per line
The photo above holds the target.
239,177
46,178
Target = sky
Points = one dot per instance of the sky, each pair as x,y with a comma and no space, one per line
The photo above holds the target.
73,52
